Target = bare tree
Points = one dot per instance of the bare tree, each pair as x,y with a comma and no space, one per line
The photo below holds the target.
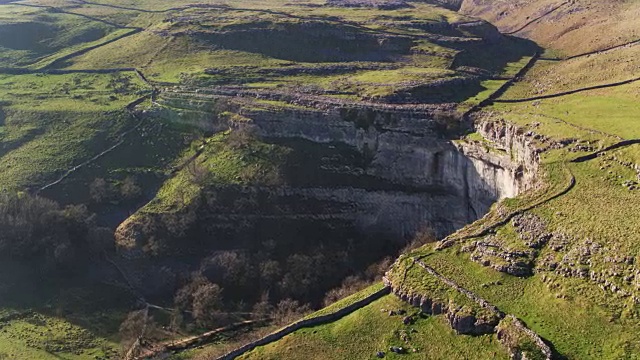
207,302
99,190
129,188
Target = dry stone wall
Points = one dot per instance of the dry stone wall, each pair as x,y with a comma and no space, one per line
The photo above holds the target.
315,321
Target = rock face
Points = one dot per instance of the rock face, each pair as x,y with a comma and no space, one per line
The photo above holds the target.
409,150
377,174
409,174
512,256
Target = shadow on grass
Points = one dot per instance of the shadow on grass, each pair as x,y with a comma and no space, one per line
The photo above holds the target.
79,299
492,56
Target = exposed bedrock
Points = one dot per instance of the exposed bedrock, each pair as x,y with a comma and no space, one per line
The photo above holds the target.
371,176
460,318
411,151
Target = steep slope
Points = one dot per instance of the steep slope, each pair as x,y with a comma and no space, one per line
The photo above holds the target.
570,27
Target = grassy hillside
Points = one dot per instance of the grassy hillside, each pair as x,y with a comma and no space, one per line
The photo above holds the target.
427,338
567,27
139,111
53,122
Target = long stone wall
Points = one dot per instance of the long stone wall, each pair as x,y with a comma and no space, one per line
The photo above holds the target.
535,338
315,321
477,299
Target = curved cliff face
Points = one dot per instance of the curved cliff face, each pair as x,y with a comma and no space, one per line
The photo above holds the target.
402,173
462,179
368,176
507,164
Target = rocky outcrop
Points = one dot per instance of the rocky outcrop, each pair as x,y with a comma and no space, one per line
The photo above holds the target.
480,318
513,256
522,342
460,318
491,252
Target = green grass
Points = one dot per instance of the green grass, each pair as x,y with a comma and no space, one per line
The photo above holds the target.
226,160
53,122
60,319
345,338
45,337
565,315
613,111
35,36
490,86
70,92
342,303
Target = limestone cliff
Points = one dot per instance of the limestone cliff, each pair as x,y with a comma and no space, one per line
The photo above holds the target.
404,174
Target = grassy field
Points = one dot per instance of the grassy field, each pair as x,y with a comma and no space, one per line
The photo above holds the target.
41,336
53,122
58,319
431,337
